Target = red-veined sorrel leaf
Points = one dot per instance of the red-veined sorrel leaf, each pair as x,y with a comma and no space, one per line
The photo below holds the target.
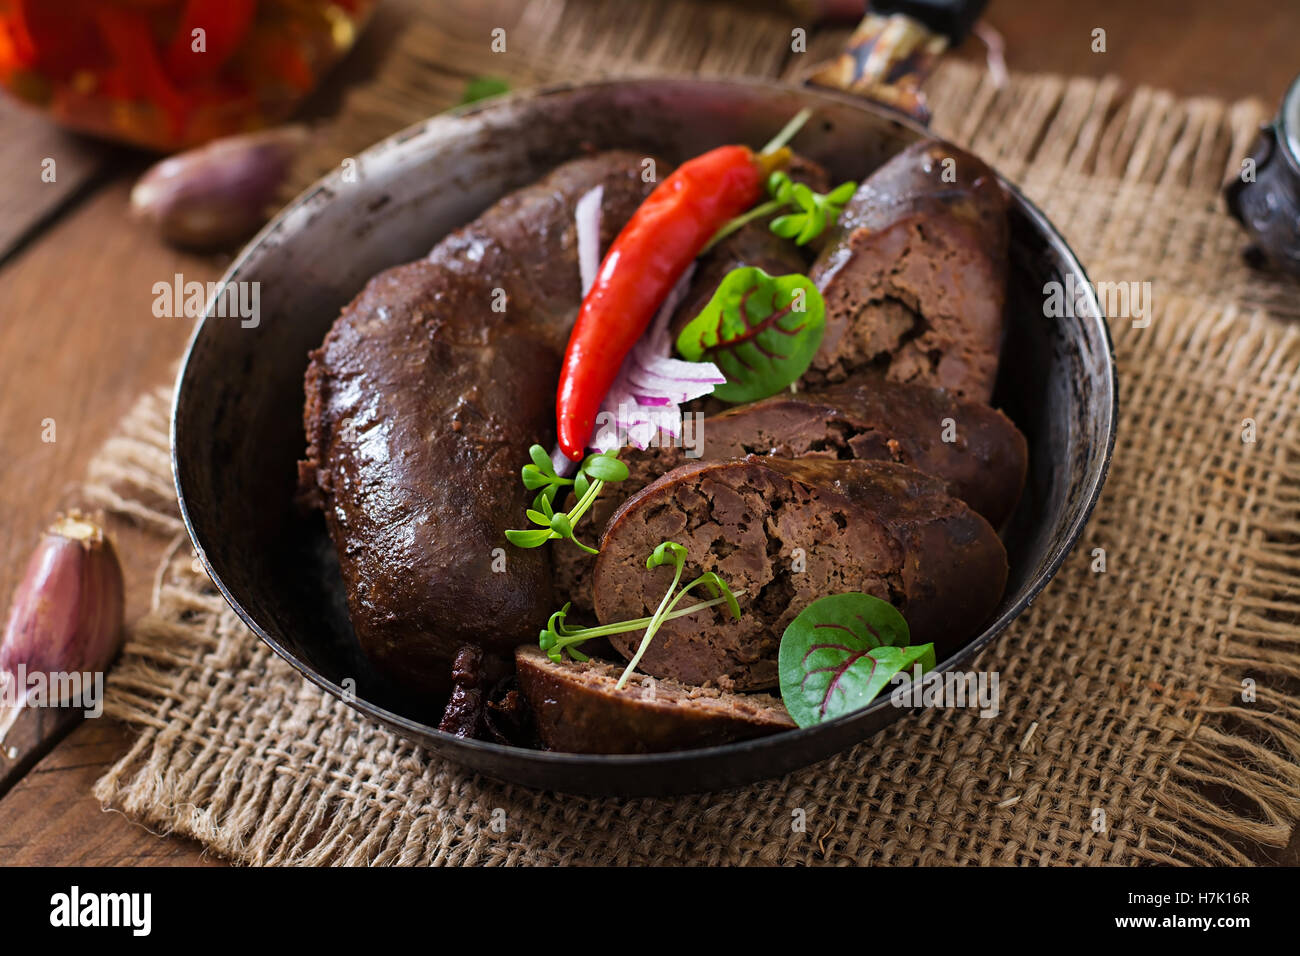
760,330
840,652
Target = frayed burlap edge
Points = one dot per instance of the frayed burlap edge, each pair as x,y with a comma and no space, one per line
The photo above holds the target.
1234,783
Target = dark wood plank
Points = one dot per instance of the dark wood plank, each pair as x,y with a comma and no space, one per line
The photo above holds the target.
50,818
27,200
78,343
1191,47
36,731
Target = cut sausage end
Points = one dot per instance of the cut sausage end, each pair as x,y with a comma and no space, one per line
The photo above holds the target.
915,276
579,710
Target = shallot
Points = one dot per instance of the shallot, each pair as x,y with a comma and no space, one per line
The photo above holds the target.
219,193
66,617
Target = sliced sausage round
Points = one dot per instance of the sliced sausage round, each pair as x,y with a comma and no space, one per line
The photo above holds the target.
788,531
974,448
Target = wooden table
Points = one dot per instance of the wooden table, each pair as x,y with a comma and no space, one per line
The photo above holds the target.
78,340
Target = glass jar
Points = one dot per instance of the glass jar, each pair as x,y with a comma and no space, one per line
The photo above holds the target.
169,74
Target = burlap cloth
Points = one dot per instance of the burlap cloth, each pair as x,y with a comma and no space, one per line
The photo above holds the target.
1123,737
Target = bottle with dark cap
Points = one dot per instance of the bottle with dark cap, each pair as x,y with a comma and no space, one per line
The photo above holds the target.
895,47
1265,193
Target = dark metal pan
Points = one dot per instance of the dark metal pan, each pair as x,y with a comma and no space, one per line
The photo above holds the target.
237,431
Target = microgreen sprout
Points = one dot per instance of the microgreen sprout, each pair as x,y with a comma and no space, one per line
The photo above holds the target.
558,638
809,216
817,211
676,553
539,475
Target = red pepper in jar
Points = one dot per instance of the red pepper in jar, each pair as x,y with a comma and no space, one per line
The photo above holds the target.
138,70
224,23
661,239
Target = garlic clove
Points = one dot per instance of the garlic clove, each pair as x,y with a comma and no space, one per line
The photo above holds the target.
67,613
219,193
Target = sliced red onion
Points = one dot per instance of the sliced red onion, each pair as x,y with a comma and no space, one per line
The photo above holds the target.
647,395
564,465
587,218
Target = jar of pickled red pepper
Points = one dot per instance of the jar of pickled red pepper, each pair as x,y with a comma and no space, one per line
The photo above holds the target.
168,74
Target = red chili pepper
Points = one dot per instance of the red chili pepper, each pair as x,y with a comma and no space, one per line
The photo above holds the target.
669,229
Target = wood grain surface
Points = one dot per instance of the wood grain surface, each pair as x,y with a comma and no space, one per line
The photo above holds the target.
58,168
79,342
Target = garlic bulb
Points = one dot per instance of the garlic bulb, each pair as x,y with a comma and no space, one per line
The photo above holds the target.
66,617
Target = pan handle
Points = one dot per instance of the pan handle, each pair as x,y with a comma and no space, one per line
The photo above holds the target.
895,48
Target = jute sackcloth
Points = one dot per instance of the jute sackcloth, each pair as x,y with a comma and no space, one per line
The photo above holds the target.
1150,711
